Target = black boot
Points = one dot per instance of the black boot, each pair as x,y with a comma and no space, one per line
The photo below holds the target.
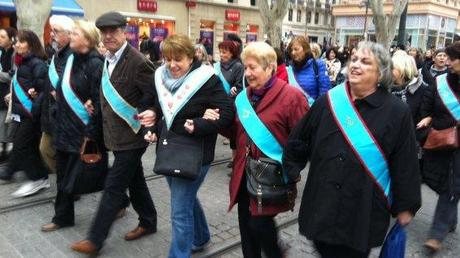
5,173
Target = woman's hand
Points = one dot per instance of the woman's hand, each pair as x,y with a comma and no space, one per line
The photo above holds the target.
233,91
425,122
150,137
189,126
211,114
147,118
405,218
32,93
89,107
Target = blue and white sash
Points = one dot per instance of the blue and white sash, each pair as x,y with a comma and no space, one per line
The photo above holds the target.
293,82
447,96
256,129
172,103
219,74
22,95
359,138
122,108
53,75
70,96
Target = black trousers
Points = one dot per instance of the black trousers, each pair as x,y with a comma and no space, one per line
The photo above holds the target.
126,173
64,205
338,251
257,232
26,154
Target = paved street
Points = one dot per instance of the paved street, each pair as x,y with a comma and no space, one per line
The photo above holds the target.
20,235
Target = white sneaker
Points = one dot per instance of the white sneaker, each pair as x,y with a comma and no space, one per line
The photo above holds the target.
31,187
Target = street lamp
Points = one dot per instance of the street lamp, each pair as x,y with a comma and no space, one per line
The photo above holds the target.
365,3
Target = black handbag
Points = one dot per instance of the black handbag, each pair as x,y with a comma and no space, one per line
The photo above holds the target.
86,178
179,155
265,182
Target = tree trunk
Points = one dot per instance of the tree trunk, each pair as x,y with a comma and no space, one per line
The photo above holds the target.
272,18
385,24
32,15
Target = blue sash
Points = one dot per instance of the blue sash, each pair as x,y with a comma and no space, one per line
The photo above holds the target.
172,103
22,95
359,138
293,82
122,108
53,75
70,97
256,129
448,97
219,74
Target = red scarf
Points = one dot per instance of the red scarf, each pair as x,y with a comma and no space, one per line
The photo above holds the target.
18,59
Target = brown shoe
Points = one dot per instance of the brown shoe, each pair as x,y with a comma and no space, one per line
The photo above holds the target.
433,244
84,246
139,232
50,227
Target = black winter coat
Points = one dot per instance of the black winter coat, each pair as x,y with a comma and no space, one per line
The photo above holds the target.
7,64
85,81
210,95
233,72
31,73
441,169
49,104
341,203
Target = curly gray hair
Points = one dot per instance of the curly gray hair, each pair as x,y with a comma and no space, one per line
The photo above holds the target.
383,58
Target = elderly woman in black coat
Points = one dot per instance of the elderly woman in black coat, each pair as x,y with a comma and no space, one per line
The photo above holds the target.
441,169
360,142
78,117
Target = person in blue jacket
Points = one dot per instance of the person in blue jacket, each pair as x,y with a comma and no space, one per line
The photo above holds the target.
305,72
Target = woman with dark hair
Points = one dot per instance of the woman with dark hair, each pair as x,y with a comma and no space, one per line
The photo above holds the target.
7,38
333,65
441,167
27,85
230,71
305,72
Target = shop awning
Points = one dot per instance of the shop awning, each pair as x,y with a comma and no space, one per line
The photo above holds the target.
64,7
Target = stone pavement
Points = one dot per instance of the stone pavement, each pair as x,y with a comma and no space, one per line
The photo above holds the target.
20,235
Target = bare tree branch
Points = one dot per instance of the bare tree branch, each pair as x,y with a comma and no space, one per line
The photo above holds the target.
272,19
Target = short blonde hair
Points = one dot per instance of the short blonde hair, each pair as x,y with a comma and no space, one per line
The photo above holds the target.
405,64
176,46
315,50
264,54
90,31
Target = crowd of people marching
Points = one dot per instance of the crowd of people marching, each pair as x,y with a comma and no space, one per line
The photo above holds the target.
373,124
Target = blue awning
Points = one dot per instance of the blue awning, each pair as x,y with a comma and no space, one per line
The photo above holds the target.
64,7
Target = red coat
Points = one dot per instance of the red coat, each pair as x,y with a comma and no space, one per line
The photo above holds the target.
280,110
281,73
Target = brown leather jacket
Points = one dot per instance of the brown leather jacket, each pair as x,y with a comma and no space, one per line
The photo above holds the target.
132,77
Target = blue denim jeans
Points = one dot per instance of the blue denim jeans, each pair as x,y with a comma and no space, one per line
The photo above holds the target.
189,225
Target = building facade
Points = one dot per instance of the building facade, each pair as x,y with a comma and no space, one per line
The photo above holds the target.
309,17
209,21
429,23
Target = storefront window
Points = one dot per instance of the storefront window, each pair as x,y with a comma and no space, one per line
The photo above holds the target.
251,33
230,28
207,35
154,29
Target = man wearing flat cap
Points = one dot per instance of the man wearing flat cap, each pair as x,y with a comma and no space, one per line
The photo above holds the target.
126,92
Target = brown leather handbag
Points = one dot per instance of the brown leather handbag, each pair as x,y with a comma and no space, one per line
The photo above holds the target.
89,152
445,139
